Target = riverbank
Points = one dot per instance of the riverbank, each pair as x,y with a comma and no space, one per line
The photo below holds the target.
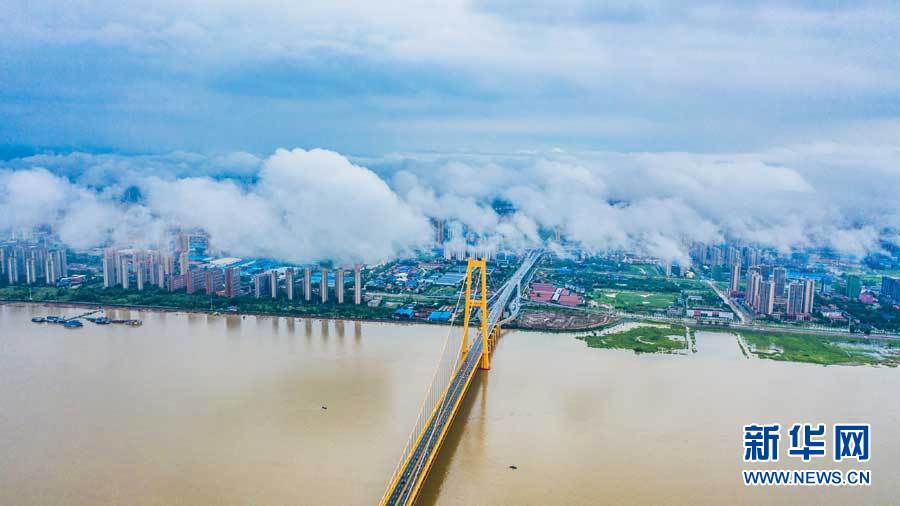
794,347
171,309
648,337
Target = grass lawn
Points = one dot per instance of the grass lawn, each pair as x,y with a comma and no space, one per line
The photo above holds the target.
629,300
442,291
821,349
642,339
642,269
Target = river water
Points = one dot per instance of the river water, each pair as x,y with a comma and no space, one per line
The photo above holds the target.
193,409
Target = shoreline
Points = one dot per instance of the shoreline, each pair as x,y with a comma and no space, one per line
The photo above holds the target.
172,309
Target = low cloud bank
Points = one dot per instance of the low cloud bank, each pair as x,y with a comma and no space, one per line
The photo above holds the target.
304,206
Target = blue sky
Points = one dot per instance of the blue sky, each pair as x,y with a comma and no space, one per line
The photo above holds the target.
489,76
626,125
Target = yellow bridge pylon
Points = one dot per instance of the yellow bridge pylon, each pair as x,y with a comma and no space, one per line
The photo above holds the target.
479,302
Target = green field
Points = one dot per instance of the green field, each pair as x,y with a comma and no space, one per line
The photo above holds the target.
640,269
822,350
642,339
634,301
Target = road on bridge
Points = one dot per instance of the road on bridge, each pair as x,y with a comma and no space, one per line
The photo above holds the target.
406,483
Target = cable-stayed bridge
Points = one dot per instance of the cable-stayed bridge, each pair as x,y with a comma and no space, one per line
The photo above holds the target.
460,358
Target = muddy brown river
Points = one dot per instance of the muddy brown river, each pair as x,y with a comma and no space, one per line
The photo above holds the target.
192,409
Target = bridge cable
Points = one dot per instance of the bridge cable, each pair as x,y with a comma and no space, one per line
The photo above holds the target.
447,364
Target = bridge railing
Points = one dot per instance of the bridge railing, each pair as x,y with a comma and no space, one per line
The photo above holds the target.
448,363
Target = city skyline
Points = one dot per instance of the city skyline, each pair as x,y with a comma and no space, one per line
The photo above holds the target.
385,209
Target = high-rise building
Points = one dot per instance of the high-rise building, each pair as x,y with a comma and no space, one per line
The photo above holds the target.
716,256
854,286
177,282
890,288
766,298
357,284
124,271
732,255
194,280
184,263
698,252
751,256
809,294
168,268
439,230
779,274
30,271
63,263
751,294
260,284
796,290
196,242
273,284
215,280
289,283
232,282
139,272
50,269
766,272
161,275
735,277
323,286
12,270
109,268
307,284
339,285
149,261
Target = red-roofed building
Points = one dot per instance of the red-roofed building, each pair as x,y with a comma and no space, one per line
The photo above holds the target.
541,296
546,292
542,287
567,298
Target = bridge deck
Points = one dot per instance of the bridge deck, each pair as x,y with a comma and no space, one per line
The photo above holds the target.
408,481
413,474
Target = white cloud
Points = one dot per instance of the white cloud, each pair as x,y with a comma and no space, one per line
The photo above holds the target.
737,45
658,203
307,205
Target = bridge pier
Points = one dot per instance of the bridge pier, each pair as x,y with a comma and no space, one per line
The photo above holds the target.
479,303
442,402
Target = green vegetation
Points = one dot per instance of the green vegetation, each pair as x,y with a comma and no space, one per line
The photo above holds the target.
633,301
632,287
824,350
884,316
607,266
641,339
685,294
641,269
642,284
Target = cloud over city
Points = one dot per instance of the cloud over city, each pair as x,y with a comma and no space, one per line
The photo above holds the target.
301,206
